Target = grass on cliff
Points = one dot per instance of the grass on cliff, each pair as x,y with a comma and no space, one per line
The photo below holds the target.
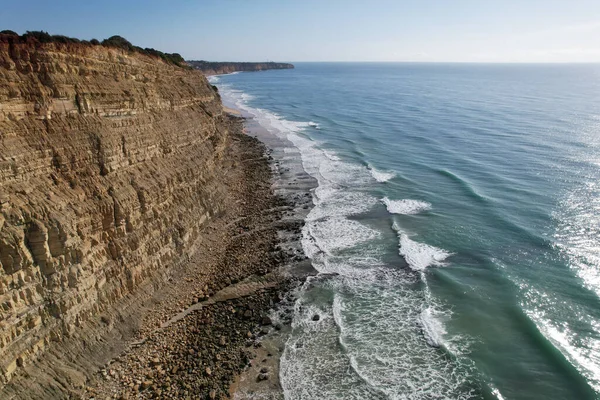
116,41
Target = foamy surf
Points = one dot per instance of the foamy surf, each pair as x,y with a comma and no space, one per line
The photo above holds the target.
371,324
433,327
337,233
380,175
418,255
372,310
405,206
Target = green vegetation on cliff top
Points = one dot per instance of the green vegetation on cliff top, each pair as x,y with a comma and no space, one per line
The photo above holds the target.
116,41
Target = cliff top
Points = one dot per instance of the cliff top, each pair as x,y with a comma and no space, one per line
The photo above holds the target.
35,38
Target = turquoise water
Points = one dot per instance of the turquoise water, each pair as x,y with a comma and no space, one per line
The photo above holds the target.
460,207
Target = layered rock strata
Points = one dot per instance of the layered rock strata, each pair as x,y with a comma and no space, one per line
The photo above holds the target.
110,166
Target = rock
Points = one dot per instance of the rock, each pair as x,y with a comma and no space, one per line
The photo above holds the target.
208,371
146,384
316,317
264,370
110,172
212,394
262,377
248,314
266,321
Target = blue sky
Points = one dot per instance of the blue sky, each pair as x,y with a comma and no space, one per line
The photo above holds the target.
330,30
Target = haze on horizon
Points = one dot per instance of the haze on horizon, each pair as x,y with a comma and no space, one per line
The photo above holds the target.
333,30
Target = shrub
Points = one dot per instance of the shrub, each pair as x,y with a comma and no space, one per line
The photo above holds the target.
118,41
40,36
115,41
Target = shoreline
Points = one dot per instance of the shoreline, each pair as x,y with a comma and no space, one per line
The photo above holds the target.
293,184
225,341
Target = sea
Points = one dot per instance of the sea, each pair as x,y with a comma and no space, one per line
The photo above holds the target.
456,224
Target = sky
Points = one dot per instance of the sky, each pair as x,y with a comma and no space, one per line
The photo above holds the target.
329,30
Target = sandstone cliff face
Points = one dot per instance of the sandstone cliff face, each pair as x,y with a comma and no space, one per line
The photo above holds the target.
217,68
109,165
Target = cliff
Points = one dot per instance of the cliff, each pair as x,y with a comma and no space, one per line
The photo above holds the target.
110,167
216,68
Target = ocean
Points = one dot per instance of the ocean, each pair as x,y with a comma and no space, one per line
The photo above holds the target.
456,227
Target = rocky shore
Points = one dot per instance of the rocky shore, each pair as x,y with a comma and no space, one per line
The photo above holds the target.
143,240
217,334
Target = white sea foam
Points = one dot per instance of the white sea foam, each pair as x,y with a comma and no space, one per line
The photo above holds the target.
335,203
433,327
375,312
246,97
331,156
418,255
497,393
405,206
380,175
314,125
338,233
376,318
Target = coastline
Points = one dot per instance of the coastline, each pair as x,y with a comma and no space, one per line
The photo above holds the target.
204,344
290,182
225,340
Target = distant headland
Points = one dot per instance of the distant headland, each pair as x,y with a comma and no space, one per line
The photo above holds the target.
217,68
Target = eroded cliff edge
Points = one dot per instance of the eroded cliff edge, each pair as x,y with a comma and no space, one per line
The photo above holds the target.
110,166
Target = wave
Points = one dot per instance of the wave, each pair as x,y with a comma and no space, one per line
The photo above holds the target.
334,234
380,175
405,206
464,184
580,350
433,327
314,125
584,357
419,256
331,156
369,310
334,203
